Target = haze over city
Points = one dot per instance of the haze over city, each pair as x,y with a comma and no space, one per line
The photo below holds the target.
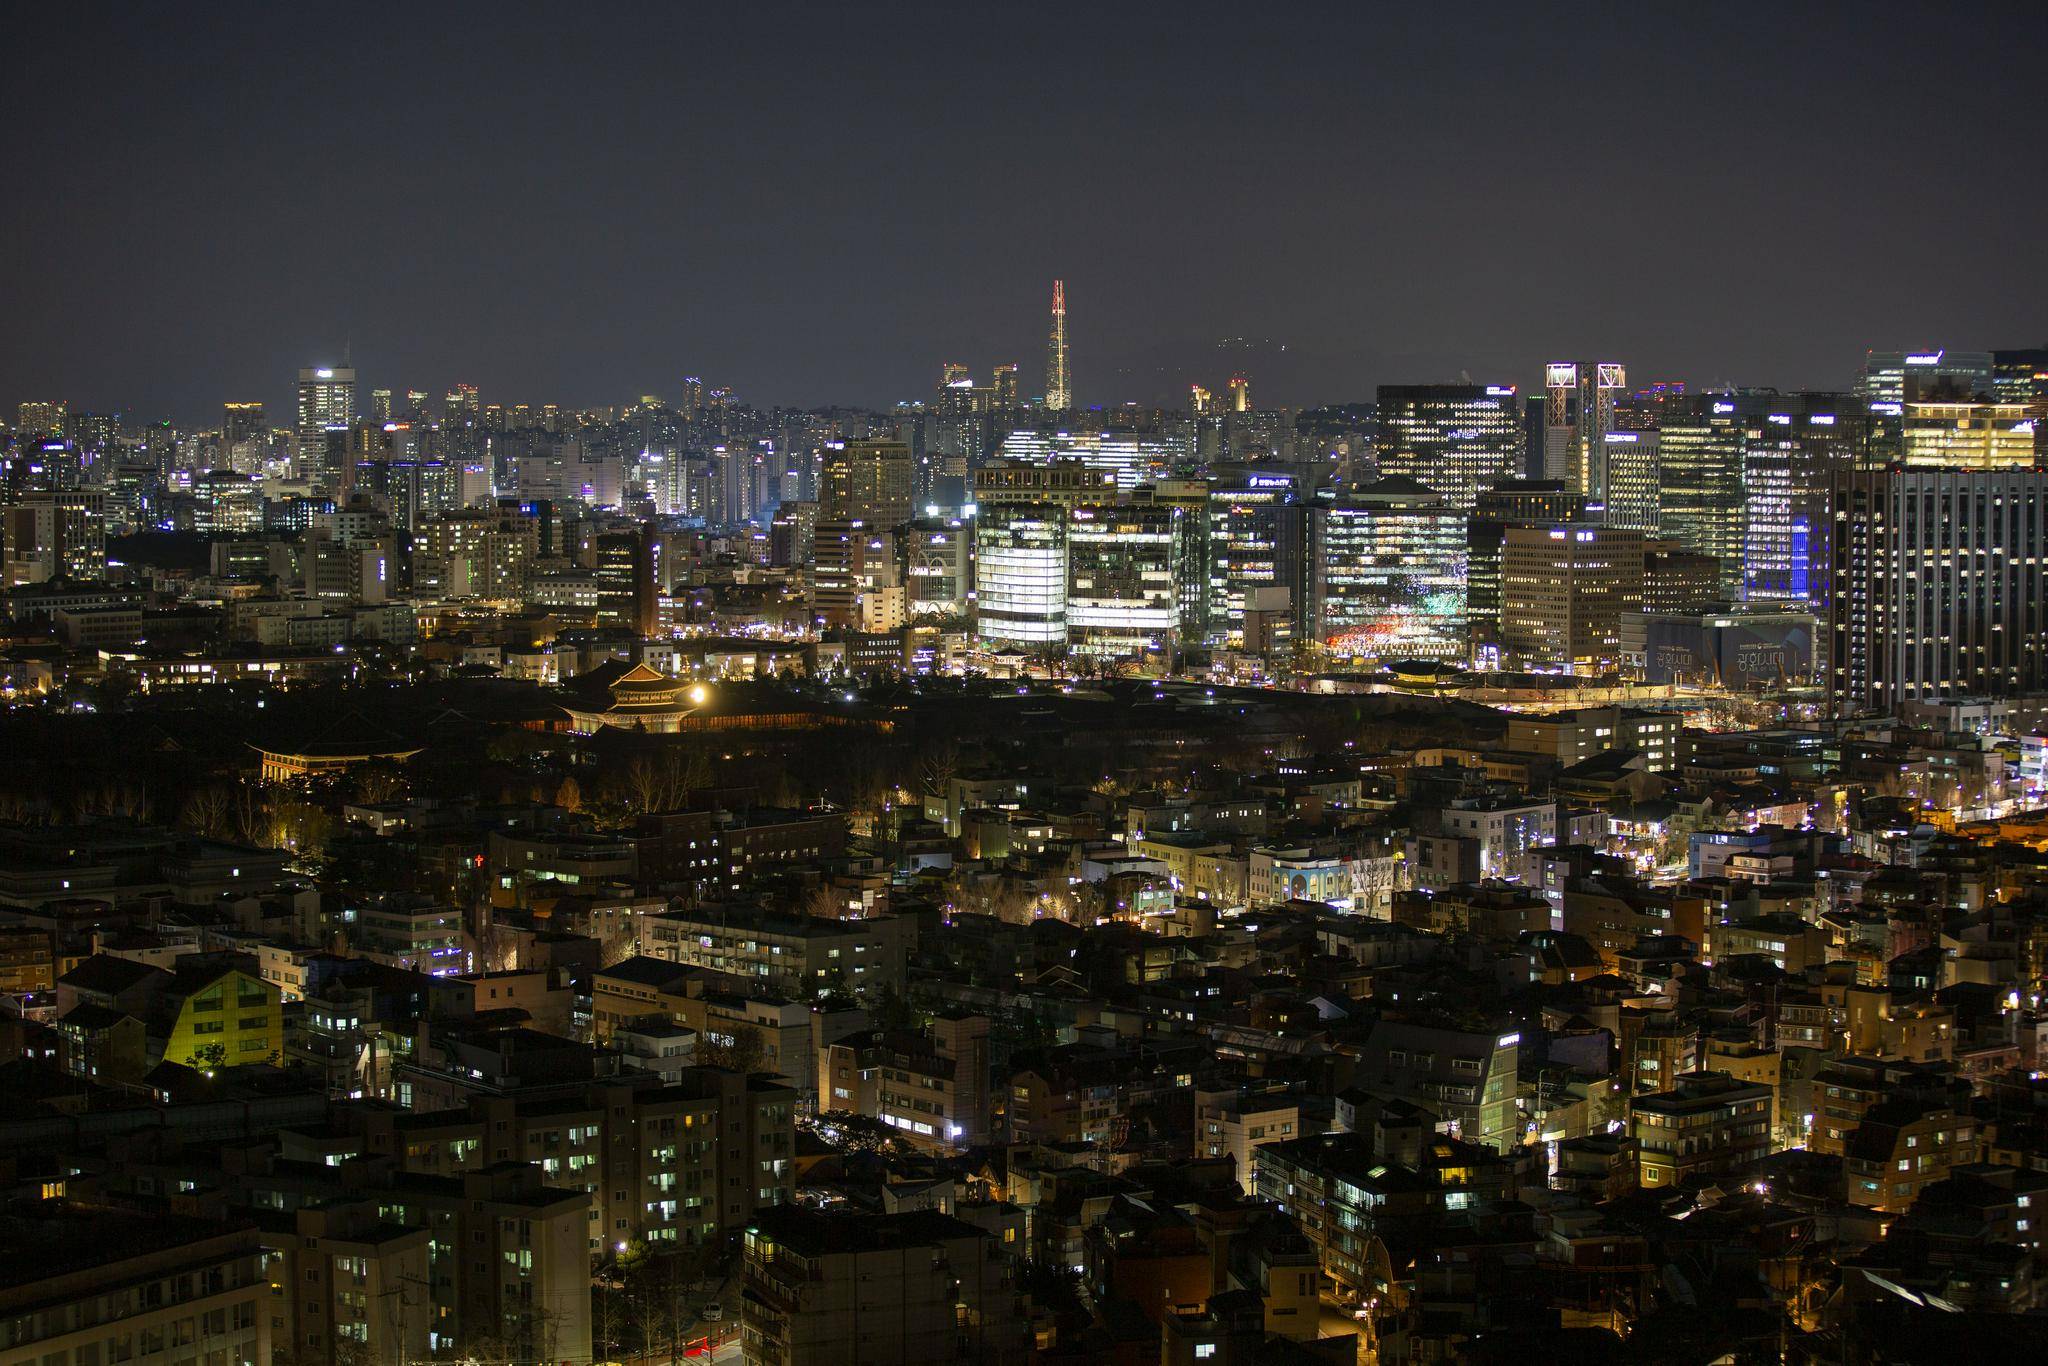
820,203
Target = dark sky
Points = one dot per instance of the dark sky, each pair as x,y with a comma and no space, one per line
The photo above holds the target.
580,202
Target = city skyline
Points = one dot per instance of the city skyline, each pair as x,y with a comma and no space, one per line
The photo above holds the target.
579,214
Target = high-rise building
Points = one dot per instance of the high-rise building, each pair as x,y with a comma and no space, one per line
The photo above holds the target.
866,481
2020,376
1020,572
1386,577
380,405
1459,439
1518,502
1700,501
1579,408
1003,387
1890,380
462,404
42,419
1563,590
327,403
1948,429
1255,544
1635,480
1240,394
1123,578
1059,395
1940,585
1063,483
938,567
242,432
50,534
1131,458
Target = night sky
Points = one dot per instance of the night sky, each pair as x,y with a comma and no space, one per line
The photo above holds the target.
580,203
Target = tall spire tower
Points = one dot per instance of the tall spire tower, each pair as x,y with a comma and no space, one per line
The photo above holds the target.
1058,396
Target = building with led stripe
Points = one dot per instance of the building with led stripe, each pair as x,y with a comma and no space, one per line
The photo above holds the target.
1459,439
1387,574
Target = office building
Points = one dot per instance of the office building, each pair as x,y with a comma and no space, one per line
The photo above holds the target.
2020,376
1956,432
1563,590
1020,554
1892,379
51,535
1059,483
1124,571
866,481
1459,439
327,405
1579,403
1386,574
1128,458
1256,528
242,431
938,567
1940,585
1635,480
42,419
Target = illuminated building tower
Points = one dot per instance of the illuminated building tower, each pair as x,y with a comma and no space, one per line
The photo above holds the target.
1123,579
1563,590
1020,574
1255,544
1003,383
1940,585
856,581
327,403
462,404
1459,439
415,405
1634,480
1059,395
1191,497
1946,428
1700,504
1200,401
1790,452
2020,376
866,481
1892,379
242,433
938,569
41,419
1578,410
1387,574
1240,394
54,534
380,404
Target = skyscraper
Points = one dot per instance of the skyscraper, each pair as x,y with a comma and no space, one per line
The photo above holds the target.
241,429
1059,395
1386,575
1240,393
1020,554
1940,585
1634,480
41,419
1459,439
1563,590
1123,572
1579,410
866,481
327,403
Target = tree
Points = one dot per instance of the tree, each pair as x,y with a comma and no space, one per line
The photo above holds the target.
207,1057
569,796
740,1051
